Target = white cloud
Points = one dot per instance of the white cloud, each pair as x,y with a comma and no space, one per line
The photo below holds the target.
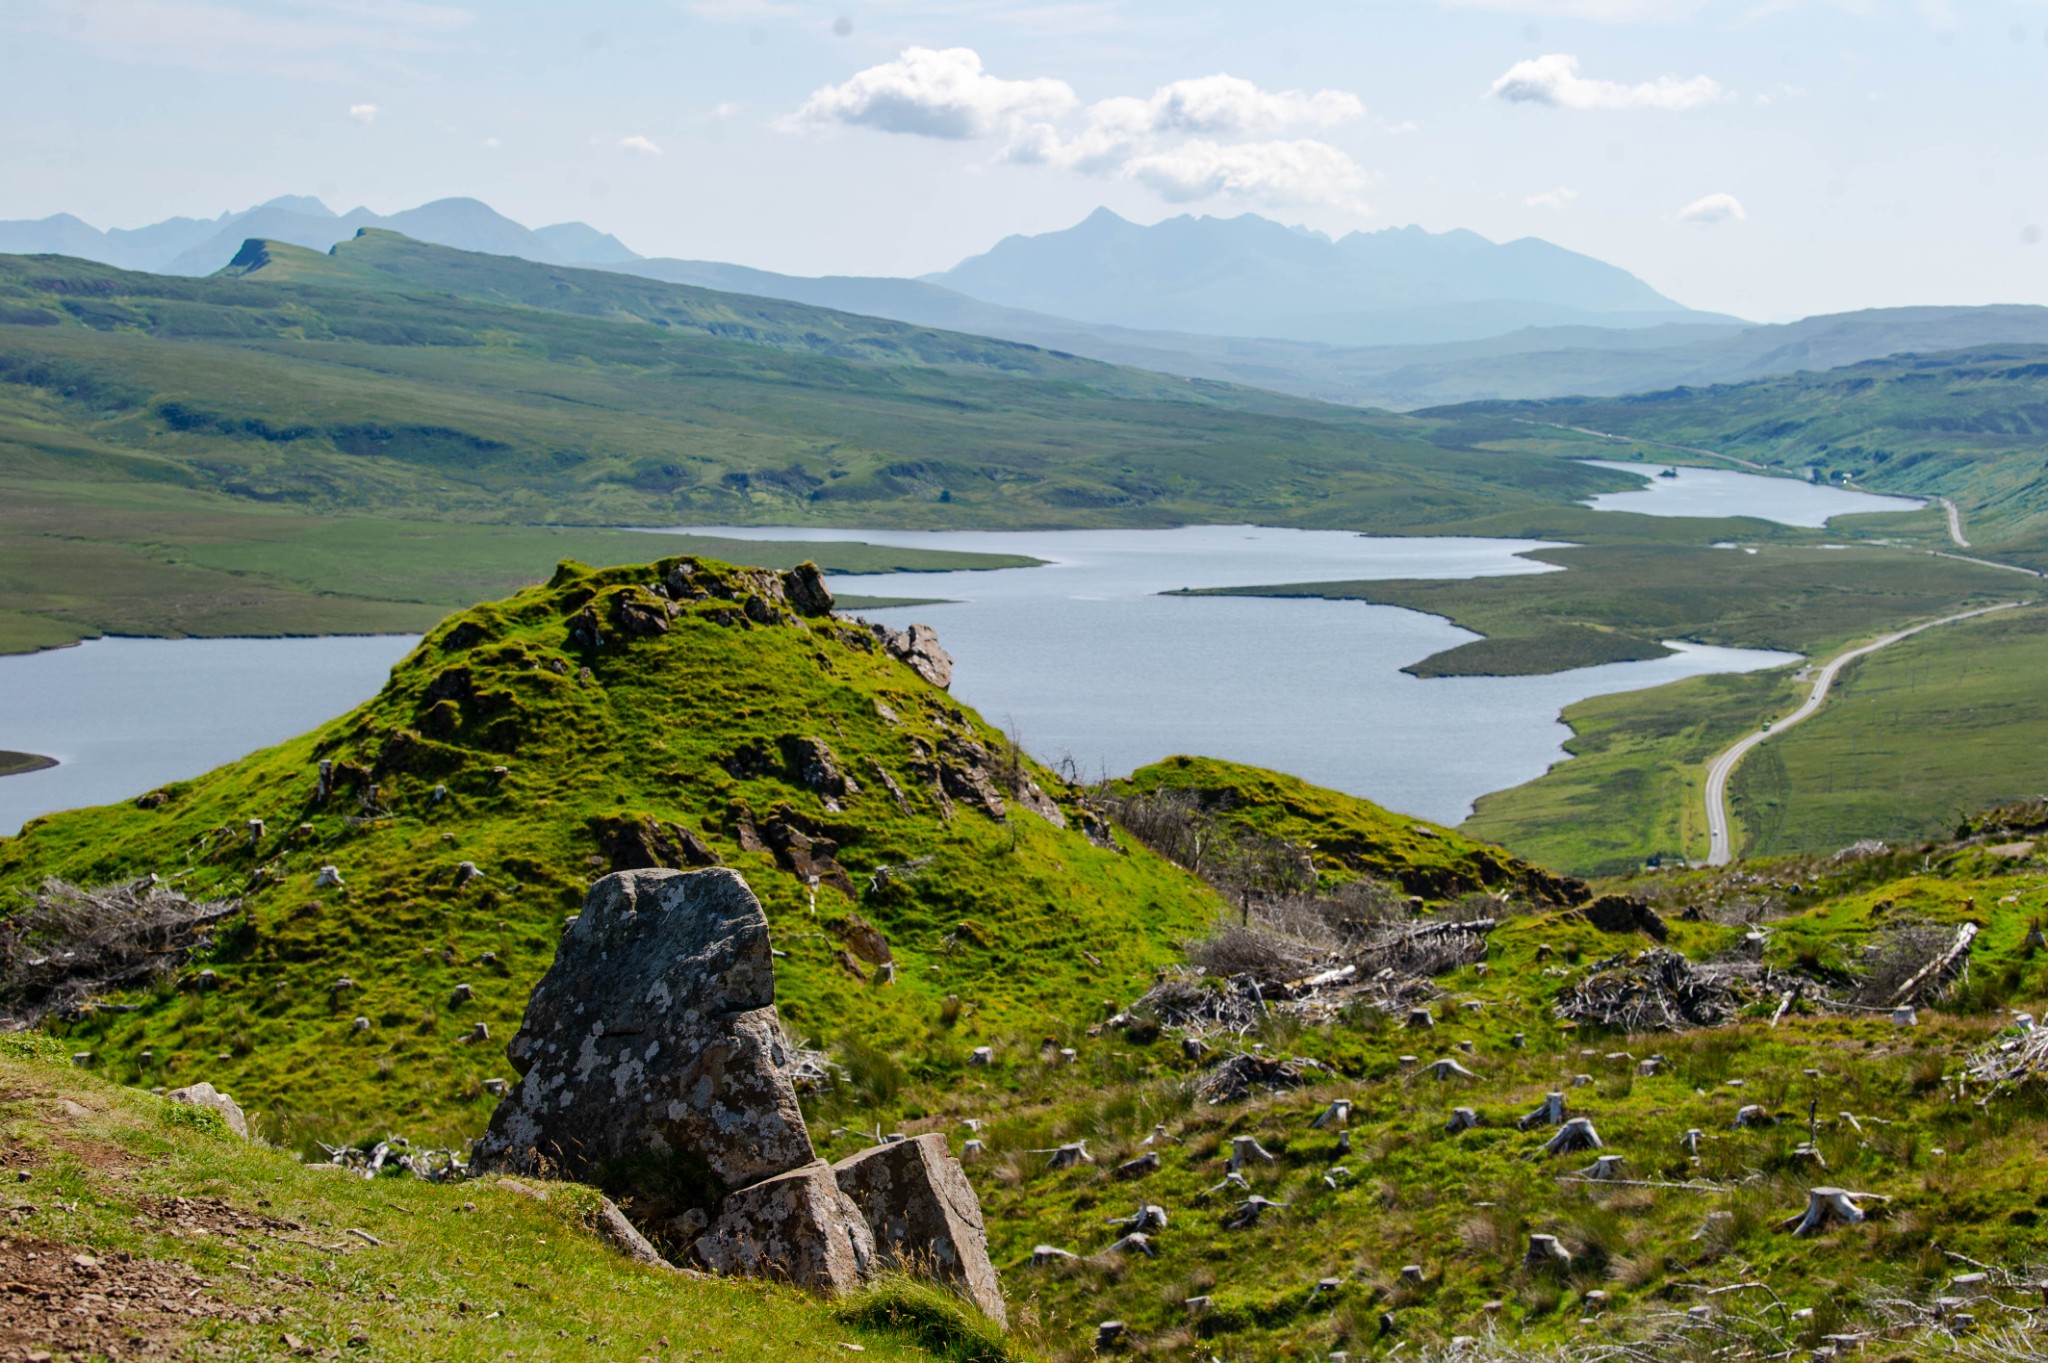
1712,209
724,109
1297,172
645,146
1229,104
492,144
364,114
935,93
1554,80
1552,198
1173,141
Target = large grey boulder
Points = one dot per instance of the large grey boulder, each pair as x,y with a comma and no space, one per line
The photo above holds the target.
207,1096
797,1227
651,1059
924,1215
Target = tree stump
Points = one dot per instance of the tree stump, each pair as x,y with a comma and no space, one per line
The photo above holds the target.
1421,1017
1337,1114
1147,1163
1551,1113
1825,1207
1546,1255
1137,1242
1244,1149
1446,1068
1041,1255
1248,1212
1576,1134
1606,1169
1069,1156
1462,1119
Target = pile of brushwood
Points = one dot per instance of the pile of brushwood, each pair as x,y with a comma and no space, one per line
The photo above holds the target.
1659,991
66,944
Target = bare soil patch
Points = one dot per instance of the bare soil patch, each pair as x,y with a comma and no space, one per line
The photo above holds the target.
58,1302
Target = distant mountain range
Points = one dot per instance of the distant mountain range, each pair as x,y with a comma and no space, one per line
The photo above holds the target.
1401,318
199,246
1249,276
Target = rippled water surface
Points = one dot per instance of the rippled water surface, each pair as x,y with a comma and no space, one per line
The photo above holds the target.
1084,659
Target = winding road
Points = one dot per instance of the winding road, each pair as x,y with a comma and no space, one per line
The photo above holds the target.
1723,767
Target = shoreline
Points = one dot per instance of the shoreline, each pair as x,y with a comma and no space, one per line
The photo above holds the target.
22,763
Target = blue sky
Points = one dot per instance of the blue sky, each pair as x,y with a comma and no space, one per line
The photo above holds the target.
1771,158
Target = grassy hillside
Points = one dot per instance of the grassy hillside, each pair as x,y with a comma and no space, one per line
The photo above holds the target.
562,762
151,1231
396,374
1971,425
563,756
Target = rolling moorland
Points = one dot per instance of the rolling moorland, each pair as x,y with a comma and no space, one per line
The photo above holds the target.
398,406
1730,1036
365,439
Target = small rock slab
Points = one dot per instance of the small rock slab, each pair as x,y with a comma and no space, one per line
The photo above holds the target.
797,1227
207,1096
924,1215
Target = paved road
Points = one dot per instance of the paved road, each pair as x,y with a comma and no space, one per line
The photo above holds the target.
1955,522
1718,852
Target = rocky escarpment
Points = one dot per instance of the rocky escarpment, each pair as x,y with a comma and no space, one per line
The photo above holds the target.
652,1063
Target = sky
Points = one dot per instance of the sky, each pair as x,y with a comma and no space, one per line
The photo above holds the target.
1767,158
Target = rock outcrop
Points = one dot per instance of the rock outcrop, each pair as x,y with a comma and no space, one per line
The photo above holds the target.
924,1215
652,1063
918,647
651,1059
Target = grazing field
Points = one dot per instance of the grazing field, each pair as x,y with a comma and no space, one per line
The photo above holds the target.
1911,740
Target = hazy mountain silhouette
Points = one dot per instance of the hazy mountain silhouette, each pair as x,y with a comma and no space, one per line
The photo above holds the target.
197,246
1249,276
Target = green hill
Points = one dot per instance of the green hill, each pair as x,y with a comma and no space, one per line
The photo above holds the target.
1161,966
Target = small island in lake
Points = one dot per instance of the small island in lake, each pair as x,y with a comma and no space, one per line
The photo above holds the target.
18,763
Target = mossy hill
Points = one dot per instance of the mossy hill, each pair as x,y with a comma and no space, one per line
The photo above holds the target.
710,718
544,743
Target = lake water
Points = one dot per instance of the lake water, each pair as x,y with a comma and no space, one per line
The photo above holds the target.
1083,658
123,716
1723,492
